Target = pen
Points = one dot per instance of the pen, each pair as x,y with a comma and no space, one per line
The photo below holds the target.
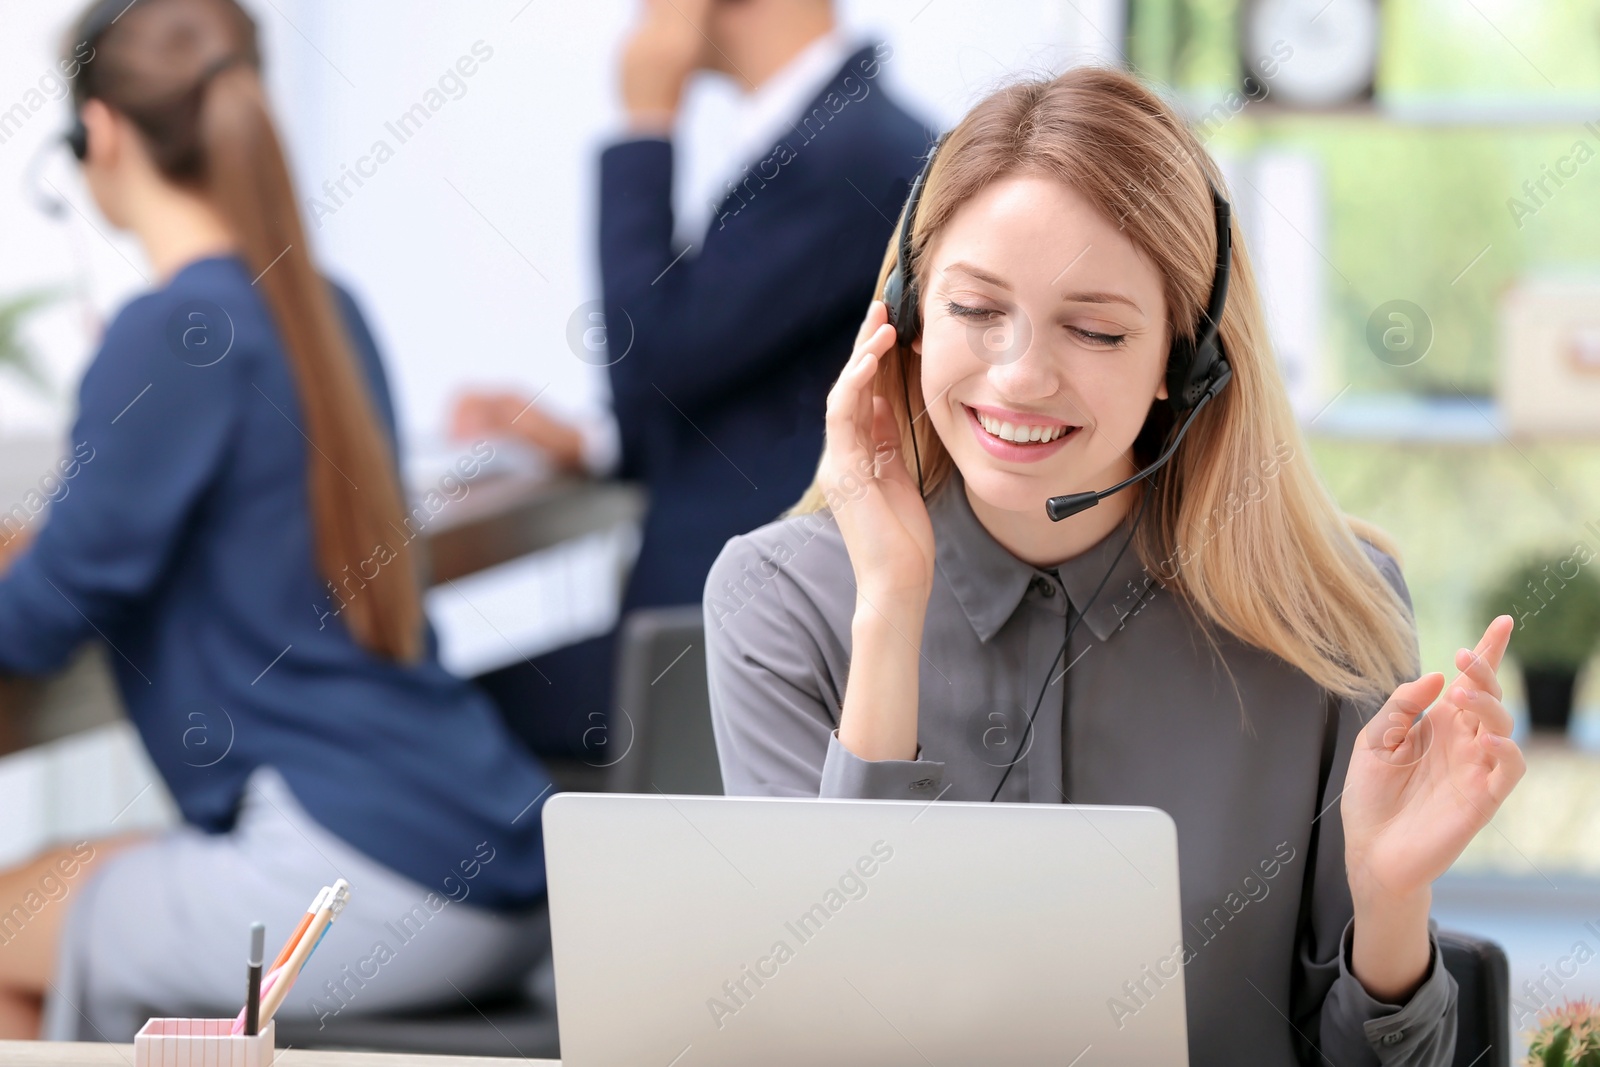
337,897
252,997
305,921
275,972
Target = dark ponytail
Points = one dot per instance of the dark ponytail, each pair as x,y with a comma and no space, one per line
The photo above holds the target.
187,73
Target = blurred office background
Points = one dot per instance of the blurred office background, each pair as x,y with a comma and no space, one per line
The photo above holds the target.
1417,179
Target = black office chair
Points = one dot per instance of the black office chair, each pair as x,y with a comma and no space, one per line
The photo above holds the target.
668,747
663,712
1483,1006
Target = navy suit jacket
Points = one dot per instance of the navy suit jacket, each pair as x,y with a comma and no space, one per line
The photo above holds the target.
722,359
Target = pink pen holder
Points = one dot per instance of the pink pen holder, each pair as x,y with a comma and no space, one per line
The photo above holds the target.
200,1043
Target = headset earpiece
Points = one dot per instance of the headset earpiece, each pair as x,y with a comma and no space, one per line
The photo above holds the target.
900,287
94,26
1199,366
900,295
77,138
893,298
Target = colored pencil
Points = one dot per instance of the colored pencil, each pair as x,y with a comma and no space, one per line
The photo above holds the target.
338,896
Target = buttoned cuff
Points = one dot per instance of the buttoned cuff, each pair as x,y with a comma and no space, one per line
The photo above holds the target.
629,159
626,136
636,167
1394,1031
846,775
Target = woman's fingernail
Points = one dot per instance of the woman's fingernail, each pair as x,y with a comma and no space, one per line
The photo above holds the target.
1494,740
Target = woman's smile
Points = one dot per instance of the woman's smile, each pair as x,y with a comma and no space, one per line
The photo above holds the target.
1018,436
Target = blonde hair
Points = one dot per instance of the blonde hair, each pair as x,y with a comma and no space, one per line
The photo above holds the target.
1284,572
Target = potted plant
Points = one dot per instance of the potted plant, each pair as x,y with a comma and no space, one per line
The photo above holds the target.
14,353
1568,1036
1555,600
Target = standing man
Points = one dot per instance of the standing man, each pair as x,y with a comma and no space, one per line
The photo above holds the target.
722,349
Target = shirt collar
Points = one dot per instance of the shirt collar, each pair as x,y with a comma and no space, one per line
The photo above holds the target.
717,155
990,583
765,114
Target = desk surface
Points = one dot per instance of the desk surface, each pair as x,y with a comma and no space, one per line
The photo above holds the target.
95,1054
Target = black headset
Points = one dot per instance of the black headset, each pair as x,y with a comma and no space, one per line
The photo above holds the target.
77,138
100,19
95,26
1197,370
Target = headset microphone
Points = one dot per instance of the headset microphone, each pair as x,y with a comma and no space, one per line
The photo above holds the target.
1059,507
1196,372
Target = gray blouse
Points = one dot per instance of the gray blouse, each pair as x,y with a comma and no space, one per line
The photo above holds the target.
1226,738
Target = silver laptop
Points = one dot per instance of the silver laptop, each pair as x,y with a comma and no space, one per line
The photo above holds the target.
710,931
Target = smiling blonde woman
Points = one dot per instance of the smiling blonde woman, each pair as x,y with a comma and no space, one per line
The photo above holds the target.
1218,641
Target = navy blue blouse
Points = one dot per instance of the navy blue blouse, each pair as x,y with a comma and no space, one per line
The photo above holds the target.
180,534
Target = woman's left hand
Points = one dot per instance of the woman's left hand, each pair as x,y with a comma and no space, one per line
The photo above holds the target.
1419,789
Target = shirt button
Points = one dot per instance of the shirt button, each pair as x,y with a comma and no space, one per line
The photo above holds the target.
922,783
1044,587
1394,1037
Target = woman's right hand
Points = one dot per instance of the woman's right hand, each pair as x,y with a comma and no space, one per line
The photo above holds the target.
872,492
879,509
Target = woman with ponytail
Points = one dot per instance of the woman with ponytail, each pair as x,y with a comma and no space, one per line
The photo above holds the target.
238,537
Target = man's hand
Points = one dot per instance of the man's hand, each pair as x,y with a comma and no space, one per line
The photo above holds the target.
666,46
479,415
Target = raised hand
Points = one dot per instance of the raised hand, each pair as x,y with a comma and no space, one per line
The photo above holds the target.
873,495
666,45
879,509
1420,787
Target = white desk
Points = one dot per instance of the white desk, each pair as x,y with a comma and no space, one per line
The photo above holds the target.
95,1054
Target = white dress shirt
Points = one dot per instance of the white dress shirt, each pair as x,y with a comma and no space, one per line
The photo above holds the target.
759,119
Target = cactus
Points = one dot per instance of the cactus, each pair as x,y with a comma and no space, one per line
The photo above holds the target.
1568,1036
